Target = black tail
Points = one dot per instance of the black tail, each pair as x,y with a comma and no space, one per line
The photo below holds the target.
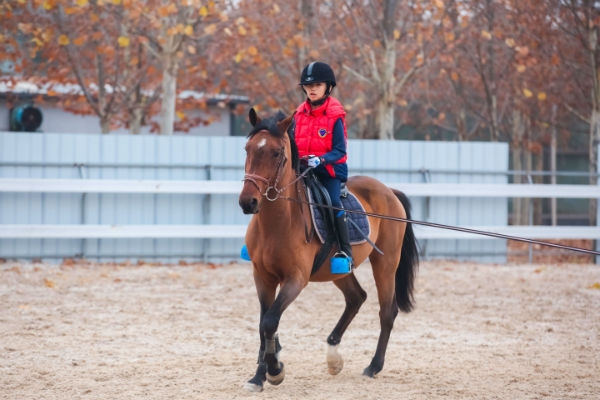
409,261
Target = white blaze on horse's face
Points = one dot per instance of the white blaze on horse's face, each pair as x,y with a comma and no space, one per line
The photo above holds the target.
262,143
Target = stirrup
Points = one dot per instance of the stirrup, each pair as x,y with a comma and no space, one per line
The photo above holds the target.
343,190
341,263
244,255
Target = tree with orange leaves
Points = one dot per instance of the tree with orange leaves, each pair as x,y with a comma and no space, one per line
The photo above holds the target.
123,55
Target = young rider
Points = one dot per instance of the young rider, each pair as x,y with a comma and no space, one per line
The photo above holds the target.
320,135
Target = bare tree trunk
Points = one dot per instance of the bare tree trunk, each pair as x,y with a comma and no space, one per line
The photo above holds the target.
387,81
134,98
517,202
103,107
104,124
520,205
135,119
169,91
593,160
386,104
307,11
527,201
538,202
595,117
491,84
553,208
461,125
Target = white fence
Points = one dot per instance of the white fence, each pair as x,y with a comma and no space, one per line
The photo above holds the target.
119,197
412,190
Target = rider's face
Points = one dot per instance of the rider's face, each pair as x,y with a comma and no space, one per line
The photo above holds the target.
315,91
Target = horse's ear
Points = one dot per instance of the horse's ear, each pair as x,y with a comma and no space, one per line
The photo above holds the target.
253,117
285,123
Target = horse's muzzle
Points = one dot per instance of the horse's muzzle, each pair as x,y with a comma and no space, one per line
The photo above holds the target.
249,205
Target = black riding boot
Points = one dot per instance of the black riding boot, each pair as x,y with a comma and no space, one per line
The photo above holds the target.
341,227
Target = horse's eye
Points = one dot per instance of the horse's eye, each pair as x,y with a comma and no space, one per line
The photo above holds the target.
277,153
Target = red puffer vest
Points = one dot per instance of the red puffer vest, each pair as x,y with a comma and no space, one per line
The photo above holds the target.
314,129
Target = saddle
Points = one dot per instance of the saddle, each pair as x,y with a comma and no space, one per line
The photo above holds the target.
322,216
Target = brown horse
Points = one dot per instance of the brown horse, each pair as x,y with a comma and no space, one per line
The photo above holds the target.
283,251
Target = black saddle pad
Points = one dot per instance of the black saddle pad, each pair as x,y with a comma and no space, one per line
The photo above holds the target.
358,223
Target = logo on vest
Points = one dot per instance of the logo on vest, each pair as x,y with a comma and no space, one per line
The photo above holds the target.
322,132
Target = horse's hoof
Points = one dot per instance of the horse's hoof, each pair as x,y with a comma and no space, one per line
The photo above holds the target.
370,372
276,379
335,362
253,387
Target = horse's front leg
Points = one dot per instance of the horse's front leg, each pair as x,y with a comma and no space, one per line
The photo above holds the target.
255,384
269,367
269,325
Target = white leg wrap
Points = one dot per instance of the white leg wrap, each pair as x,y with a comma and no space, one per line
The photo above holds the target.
335,362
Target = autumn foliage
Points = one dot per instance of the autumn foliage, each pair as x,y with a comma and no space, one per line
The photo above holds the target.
510,70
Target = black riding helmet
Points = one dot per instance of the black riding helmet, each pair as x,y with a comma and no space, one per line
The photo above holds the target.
316,72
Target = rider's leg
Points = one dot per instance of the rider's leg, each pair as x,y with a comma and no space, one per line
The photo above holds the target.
340,219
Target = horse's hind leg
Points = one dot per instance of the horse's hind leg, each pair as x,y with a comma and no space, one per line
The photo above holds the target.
384,274
355,296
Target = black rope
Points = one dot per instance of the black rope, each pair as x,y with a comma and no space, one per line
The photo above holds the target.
492,234
457,228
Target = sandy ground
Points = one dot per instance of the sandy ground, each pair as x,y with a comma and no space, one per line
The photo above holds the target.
88,331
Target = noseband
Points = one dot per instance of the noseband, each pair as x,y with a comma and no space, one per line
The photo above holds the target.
272,192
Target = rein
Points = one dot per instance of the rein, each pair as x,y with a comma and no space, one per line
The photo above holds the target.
272,192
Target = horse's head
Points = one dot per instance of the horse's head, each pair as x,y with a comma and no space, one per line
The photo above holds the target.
268,152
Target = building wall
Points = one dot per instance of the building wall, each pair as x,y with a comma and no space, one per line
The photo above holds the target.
57,120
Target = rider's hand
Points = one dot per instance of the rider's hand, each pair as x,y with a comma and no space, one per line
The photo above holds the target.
314,161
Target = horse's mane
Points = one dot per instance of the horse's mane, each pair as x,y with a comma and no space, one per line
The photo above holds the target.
270,124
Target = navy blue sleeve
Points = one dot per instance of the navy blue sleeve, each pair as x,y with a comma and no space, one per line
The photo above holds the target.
339,144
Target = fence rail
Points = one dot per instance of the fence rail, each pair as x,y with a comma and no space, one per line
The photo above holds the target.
502,190
86,231
71,231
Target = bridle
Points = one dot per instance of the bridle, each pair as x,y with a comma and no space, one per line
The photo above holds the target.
272,192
